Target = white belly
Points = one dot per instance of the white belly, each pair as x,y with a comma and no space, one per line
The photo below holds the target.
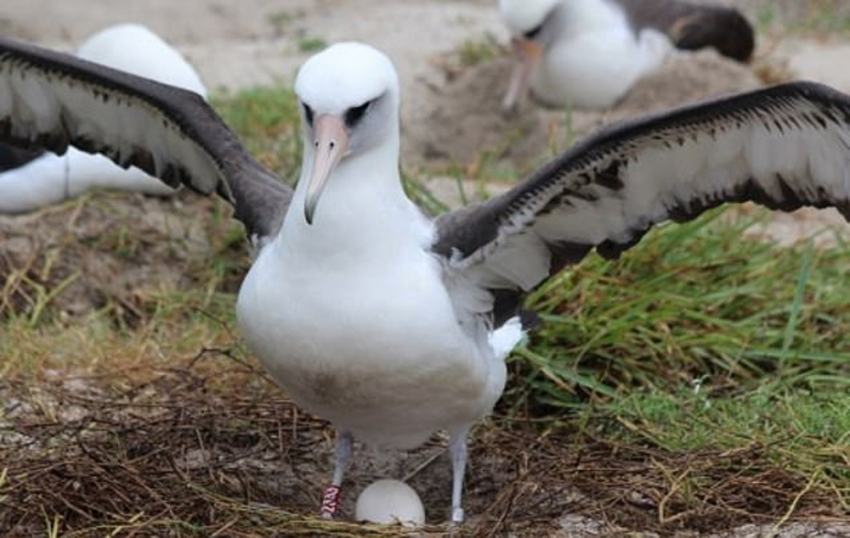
596,69
377,351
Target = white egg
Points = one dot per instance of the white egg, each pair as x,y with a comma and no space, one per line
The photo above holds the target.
390,501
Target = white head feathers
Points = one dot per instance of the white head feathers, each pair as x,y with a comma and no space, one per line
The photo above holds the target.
522,16
345,75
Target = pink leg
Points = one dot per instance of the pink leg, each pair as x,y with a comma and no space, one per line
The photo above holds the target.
342,455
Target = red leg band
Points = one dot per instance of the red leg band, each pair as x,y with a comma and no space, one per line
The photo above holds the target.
330,501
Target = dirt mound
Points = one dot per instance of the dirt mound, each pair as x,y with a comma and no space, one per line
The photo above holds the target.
108,250
463,116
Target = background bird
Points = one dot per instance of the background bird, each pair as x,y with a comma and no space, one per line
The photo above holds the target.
589,53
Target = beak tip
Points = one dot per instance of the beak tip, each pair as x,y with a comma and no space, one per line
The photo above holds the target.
510,107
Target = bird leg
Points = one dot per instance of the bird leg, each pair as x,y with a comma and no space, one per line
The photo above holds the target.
457,451
342,455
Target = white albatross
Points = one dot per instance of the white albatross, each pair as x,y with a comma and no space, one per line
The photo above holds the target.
33,179
589,53
388,323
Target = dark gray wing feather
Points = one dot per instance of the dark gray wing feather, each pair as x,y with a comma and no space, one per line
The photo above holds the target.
695,26
52,100
782,147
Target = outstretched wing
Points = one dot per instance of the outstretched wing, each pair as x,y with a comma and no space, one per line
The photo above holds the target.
783,147
52,100
694,26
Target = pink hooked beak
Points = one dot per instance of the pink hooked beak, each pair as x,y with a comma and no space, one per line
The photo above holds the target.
527,55
331,145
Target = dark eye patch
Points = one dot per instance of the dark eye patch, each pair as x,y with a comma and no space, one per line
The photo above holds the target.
354,114
531,34
308,113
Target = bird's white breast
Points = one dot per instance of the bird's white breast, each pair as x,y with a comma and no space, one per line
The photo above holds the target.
364,338
597,56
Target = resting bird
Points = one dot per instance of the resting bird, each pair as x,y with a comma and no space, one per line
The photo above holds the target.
589,53
33,179
365,311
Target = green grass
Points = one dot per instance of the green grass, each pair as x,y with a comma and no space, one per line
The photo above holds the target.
807,431
281,20
693,302
267,120
700,340
311,44
482,49
693,419
816,18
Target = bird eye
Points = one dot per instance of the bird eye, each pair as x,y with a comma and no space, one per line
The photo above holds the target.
308,113
354,114
531,34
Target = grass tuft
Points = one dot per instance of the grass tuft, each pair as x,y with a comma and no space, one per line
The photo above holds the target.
693,303
267,120
483,49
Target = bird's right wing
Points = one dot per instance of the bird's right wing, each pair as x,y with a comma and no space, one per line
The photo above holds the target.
783,147
52,100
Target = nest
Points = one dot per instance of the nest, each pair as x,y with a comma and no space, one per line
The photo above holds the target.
208,446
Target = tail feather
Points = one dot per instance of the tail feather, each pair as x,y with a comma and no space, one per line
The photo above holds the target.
693,26
12,157
504,339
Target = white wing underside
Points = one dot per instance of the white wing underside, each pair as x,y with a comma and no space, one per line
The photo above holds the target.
128,124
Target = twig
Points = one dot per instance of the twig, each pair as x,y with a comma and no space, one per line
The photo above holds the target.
784,519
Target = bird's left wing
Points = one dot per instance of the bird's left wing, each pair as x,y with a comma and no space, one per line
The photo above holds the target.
782,147
52,100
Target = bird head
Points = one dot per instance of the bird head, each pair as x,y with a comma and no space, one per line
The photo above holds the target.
349,95
528,22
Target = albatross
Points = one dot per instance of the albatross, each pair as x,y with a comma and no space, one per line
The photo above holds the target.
388,323
589,53
34,178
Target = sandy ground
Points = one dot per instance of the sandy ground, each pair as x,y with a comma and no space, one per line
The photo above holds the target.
449,113
233,46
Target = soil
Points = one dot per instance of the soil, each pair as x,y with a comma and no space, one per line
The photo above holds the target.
103,251
463,118
450,114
